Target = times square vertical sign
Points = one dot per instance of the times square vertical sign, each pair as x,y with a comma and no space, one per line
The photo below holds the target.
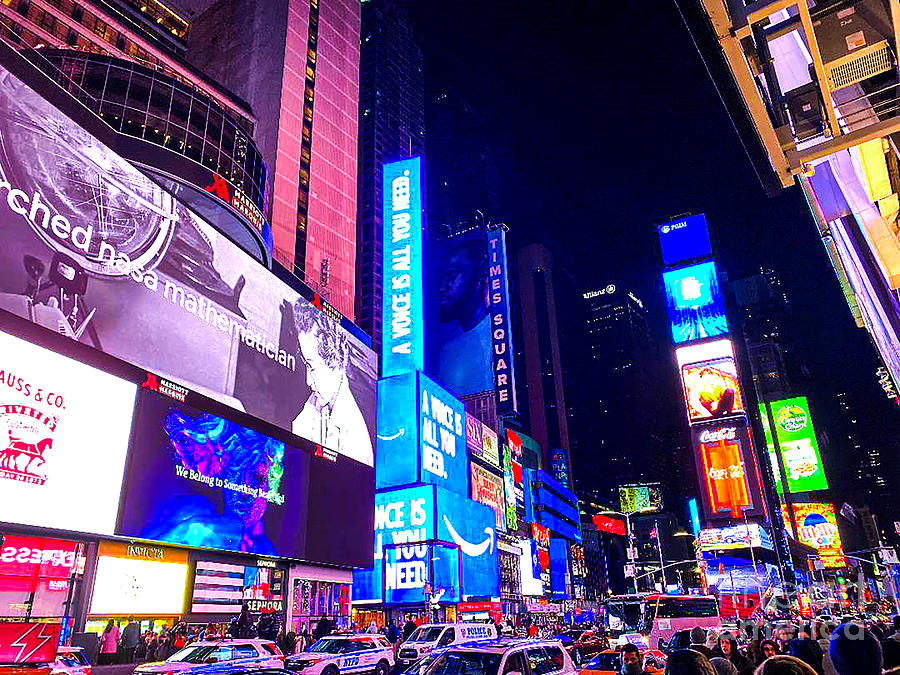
403,334
501,338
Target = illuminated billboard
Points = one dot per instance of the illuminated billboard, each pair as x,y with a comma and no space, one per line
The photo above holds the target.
135,579
421,435
798,443
734,537
684,239
694,302
488,489
640,497
93,249
710,382
199,479
470,343
509,489
64,426
452,545
725,467
817,527
403,336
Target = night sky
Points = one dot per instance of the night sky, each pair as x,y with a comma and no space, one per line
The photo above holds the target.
604,121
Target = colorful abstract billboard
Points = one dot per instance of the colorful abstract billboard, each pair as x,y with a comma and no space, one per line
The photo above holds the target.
694,302
817,527
199,479
488,489
469,339
645,497
93,249
64,426
798,443
403,290
421,435
734,537
709,378
684,239
725,468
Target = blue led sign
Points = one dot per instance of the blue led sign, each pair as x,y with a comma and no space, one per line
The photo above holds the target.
694,302
684,239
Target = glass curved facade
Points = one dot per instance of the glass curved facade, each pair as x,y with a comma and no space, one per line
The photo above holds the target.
150,105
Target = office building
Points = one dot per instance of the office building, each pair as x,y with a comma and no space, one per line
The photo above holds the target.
461,172
297,64
391,126
544,382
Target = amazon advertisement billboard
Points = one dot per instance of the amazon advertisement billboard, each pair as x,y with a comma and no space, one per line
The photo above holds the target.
93,249
428,539
421,435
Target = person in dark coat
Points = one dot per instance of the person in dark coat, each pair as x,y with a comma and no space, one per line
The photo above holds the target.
808,651
408,628
728,648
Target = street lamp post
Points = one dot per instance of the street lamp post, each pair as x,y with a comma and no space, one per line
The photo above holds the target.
630,550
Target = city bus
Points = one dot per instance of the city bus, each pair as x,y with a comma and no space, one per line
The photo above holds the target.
658,617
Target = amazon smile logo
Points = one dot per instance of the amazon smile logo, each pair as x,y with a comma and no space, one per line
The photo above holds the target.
470,549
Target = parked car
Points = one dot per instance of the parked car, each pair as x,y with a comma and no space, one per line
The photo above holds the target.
340,654
430,636
198,656
71,661
582,644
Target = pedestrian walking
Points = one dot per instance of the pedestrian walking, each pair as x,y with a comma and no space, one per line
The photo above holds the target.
688,662
855,651
131,637
408,628
784,665
728,649
109,644
722,666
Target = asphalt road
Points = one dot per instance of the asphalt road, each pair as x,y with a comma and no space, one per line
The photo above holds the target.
118,669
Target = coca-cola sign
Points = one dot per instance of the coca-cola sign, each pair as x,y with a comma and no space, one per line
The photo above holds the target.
726,468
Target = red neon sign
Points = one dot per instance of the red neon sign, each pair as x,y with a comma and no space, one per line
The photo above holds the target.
28,642
724,476
37,556
611,525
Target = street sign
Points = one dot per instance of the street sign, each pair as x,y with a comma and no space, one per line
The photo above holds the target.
888,556
630,570
897,526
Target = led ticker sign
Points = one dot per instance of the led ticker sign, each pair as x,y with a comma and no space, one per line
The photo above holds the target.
694,302
709,378
721,450
605,524
817,527
799,447
403,339
684,239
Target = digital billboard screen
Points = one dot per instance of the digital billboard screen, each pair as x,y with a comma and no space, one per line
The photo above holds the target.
64,429
684,239
694,303
712,389
199,479
93,249
470,343
131,584
403,340
725,467
488,489
817,527
798,443
640,497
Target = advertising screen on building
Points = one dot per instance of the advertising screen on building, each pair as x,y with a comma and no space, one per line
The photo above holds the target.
421,435
817,527
470,528
126,586
645,497
509,489
684,239
694,302
403,339
469,338
490,446
711,386
488,489
725,468
734,537
34,575
198,479
225,588
93,249
64,426
798,443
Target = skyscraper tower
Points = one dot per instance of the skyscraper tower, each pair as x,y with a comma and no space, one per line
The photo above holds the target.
543,365
391,126
297,63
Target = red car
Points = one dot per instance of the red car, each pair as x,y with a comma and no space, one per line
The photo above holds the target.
582,644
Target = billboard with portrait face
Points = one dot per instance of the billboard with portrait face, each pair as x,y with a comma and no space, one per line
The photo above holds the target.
64,430
709,378
199,479
694,303
91,248
470,343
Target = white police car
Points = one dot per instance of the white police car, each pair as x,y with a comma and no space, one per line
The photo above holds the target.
339,654
430,636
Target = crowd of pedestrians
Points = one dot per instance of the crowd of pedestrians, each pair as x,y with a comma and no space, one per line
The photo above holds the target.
814,648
